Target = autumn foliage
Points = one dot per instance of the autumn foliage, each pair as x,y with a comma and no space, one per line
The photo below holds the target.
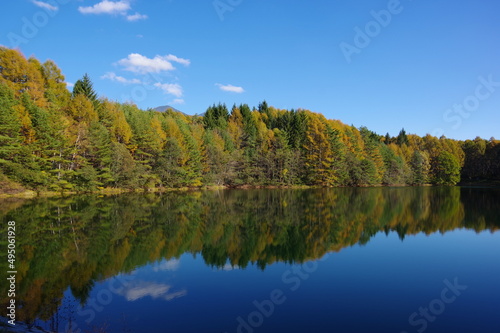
54,139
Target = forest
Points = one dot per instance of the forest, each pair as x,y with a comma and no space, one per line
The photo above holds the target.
54,139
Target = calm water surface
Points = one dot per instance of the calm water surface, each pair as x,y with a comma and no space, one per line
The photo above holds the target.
336,260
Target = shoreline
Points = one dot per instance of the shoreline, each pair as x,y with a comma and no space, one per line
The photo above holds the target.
31,194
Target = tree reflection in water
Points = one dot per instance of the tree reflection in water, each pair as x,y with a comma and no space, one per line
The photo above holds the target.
77,241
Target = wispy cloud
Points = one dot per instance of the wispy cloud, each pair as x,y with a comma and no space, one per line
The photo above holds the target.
107,7
171,57
136,17
113,77
170,88
149,72
178,101
70,85
45,5
138,63
230,88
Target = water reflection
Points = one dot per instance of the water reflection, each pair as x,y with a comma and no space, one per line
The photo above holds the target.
136,290
78,241
167,265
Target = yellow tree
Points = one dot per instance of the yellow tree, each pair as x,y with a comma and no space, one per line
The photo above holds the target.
235,127
21,75
26,124
157,134
111,115
82,110
318,156
56,91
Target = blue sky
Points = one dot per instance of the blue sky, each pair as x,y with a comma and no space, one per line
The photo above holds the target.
428,66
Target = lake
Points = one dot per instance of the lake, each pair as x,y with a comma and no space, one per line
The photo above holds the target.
408,259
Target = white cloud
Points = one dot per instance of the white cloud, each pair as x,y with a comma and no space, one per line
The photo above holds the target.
138,63
45,5
136,17
170,88
171,57
70,85
230,88
107,7
113,77
178,101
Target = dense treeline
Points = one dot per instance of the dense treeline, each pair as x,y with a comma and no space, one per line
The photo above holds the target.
75,242
53,139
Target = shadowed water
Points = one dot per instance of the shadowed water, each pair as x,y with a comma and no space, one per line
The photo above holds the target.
333,260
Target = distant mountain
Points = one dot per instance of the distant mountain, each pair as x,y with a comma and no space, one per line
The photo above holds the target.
164,108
